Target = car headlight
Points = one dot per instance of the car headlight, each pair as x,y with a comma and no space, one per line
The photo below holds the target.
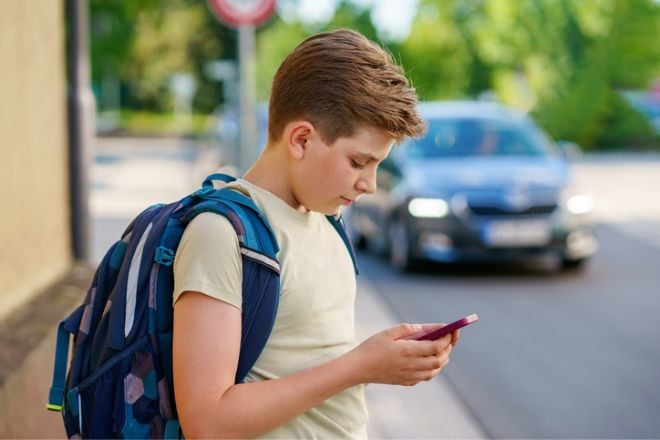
428,208
579,204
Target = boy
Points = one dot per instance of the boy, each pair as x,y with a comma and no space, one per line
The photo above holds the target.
338,103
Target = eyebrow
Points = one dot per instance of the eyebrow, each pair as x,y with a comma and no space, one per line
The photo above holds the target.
367,156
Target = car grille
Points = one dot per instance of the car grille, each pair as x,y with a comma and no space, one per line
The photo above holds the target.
494,210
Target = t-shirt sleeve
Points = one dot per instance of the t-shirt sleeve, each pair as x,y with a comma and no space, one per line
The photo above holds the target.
208,260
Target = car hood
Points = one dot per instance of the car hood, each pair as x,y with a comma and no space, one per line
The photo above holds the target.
479,177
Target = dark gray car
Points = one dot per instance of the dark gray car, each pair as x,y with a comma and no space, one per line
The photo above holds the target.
484,184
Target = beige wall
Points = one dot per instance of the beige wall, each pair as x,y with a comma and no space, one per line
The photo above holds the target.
34,205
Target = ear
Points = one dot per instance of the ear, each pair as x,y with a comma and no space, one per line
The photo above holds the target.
297,135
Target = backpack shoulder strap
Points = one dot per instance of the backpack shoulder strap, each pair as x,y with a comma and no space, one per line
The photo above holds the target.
208,182
338,223
234,198
261,270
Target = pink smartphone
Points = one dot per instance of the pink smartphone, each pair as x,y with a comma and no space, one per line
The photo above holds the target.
439,333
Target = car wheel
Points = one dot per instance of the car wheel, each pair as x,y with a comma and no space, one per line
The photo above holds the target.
399,239
572,264
360,241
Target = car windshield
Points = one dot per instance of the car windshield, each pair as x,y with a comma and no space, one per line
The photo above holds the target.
476,137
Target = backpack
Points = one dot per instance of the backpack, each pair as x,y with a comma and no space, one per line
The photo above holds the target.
119,382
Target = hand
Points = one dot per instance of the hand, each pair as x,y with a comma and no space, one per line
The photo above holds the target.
392,357
427,328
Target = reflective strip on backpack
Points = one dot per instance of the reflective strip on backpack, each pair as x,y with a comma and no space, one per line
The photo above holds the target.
261,258
80,414
132,283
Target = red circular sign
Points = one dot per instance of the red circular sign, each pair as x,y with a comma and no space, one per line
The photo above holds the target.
242,12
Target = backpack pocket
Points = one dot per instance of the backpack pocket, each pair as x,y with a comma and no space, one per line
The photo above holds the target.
126,387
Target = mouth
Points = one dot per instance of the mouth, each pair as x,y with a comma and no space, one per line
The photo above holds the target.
345,201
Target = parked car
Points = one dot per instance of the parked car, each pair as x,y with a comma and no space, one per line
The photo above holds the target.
484,184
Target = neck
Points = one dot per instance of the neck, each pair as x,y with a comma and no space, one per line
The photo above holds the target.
270,172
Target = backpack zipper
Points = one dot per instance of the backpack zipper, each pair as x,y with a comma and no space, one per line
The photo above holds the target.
135,346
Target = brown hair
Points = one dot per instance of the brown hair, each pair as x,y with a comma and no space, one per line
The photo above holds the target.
339,81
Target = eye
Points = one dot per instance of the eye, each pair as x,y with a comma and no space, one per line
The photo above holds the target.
357,165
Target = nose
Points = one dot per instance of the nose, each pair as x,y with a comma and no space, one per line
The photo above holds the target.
367,181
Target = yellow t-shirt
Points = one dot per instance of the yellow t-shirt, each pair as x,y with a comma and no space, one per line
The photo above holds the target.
315,318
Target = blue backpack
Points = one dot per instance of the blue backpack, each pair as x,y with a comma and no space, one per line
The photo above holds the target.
119,382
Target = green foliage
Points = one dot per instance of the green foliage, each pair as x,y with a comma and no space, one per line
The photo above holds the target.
141,44
563,60
275,41
431,55
350,15
633,43
112,32
580,101
624,127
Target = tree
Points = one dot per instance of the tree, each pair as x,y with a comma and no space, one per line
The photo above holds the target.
276,40
582,102
563,59
442,53
141,44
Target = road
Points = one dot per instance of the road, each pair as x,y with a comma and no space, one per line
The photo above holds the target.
555,355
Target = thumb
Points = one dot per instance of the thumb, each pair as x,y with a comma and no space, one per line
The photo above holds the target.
403,330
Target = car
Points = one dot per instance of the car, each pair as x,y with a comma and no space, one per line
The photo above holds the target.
485,184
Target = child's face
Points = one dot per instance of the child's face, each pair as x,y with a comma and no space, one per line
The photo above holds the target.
330,176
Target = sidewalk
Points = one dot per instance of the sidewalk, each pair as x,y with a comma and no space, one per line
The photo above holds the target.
427,410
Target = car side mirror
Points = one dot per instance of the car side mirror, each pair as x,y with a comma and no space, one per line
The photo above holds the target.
570,150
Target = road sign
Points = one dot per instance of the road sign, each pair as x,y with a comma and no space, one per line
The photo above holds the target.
238,13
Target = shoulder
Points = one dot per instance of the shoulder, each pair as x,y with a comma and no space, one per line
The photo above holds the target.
208,232
209,222
208,260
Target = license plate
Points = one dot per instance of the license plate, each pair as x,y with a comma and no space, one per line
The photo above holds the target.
517,233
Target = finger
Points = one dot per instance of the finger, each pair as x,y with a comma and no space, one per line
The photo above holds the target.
426,348
442,343
429,327
445,363
441,364
427,375
430,348
403,331
445,352
425,328
455,336
428,363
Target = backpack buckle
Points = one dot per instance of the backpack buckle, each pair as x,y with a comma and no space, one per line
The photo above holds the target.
204,191
164,256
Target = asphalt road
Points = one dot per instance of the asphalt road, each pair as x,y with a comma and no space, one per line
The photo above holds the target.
554,355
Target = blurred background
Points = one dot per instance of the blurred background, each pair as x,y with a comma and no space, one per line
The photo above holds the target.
109,106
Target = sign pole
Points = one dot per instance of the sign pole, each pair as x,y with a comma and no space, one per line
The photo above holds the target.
248,120
245,15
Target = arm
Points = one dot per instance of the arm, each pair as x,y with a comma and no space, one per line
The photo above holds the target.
206,348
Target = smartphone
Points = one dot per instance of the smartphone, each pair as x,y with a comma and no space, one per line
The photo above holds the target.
442,331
